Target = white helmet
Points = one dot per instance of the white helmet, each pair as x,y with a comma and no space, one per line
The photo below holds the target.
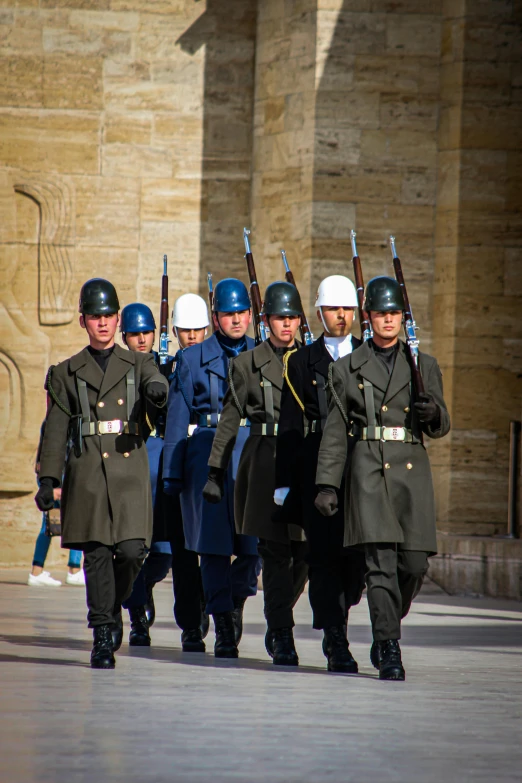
190,312
336,290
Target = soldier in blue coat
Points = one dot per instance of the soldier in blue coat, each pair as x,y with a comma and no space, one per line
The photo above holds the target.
196,398
138,331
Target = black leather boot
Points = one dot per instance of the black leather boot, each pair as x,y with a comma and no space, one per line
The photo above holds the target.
192,640
117,631
237,616
150,609
390,661
374,655
284,652
226,645
337,651
102,655
269,642
139,633
205,621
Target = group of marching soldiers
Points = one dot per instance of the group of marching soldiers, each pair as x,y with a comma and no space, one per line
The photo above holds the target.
304,460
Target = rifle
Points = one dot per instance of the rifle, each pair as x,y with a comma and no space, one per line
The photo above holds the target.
210,292
260,330
366,327
410,327
163,353
304,328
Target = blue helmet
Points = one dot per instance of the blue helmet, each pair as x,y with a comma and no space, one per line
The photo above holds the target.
137,317
231,296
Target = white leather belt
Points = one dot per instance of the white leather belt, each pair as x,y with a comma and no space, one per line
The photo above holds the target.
387,433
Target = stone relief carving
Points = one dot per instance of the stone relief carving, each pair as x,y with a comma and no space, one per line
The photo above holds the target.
56,202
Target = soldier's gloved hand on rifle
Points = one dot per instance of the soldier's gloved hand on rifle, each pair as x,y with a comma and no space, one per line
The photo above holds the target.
156,393
172,487
213,489
427,410
44,498
326,501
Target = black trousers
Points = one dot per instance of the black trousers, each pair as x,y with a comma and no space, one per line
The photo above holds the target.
336,584
186,578
393,579
110,572
285,572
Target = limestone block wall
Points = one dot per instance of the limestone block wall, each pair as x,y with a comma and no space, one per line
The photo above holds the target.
125,133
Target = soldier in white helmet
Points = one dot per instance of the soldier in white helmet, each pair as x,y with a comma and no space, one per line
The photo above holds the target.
190,320
336,574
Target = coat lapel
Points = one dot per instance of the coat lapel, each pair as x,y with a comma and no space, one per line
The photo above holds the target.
214,357
87,369
320,359
270,365
117,368
401,375
364,360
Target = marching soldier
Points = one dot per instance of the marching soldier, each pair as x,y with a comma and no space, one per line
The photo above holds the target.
99,399
196,398
255,384
390,509
336,574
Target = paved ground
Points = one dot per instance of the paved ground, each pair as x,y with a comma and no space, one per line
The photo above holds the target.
168,716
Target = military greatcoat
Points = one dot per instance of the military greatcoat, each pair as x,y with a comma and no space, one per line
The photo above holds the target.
106,493
389,489
251,374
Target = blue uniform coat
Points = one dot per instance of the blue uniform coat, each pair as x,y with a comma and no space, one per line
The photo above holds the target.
198,389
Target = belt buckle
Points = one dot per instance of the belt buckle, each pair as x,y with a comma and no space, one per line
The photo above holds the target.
111,427
393,433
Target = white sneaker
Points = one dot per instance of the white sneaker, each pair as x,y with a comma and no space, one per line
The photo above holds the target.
43,580
76,579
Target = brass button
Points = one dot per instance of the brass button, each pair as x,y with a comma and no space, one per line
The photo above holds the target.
120,402
105,455
314,382
260,383
387,465
384,408
409,466
361,386
101,405
126,454
406,409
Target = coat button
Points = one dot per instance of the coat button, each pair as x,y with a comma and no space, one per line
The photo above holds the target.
126,454
105,455
406,409
384,408
361,386
120,402
101,405
409,466
387,465
314,382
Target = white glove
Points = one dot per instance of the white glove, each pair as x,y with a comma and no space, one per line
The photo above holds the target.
280,495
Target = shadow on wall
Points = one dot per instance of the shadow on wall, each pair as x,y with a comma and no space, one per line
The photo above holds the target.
227,30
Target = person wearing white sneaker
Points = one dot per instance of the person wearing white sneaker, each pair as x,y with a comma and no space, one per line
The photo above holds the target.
77,578
44,579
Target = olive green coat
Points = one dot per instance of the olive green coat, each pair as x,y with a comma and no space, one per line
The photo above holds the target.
255,482
106,492
389,491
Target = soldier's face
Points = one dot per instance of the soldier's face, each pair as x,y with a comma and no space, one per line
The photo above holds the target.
101,329
386,325
338,321
188,337
233,325
139,341
283,329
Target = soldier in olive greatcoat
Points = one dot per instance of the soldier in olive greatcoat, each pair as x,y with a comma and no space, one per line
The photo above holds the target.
255,384
98,399
390,508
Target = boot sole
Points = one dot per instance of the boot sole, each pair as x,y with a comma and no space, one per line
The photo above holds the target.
283,661
393,674
103,665
200,648
139,642
226,654
342,668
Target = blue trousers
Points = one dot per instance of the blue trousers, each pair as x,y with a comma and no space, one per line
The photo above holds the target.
155,568
41,550
223,581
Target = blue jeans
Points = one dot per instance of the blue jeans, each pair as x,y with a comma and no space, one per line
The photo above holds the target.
41,550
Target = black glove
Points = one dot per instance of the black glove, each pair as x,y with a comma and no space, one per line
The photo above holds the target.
213,489
156,393
427,410
326,501
172,487
44,498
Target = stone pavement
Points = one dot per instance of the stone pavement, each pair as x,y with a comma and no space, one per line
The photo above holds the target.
167,716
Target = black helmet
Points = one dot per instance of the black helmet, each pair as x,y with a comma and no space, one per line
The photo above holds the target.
383,294
98,297
282,298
